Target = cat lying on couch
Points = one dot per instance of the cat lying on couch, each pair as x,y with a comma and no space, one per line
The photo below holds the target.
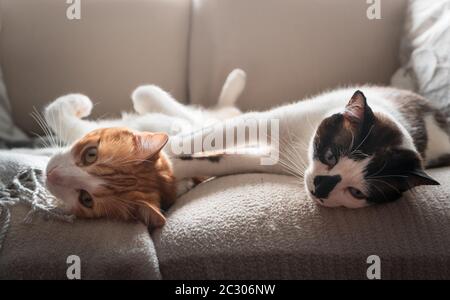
115,168
359,151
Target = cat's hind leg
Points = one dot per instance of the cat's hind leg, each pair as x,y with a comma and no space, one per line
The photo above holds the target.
232,88
64,115
152,99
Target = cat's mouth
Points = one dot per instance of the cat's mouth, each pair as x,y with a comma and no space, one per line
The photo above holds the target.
313,195
319,201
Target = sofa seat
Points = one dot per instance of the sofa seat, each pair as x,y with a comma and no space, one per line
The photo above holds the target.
262,226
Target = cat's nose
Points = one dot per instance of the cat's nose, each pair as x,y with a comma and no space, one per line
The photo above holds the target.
323,185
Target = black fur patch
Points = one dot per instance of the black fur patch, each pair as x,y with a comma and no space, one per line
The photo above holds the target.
215,158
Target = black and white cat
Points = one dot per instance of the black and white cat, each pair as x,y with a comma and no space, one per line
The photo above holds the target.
349,150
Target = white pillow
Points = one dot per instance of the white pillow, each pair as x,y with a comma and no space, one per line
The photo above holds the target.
425,51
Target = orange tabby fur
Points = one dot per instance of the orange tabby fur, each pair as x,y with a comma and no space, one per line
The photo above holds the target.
137,177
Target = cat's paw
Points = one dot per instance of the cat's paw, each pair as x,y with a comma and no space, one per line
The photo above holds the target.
77,105
149,99
184,186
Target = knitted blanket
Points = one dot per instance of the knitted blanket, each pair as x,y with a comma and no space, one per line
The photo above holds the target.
36,238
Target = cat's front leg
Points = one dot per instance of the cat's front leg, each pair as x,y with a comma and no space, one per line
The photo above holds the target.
64,115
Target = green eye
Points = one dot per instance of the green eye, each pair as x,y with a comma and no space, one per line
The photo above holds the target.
85,199
356,193
90,155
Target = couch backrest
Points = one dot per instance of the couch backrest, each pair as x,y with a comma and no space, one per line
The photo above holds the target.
291,48
116,46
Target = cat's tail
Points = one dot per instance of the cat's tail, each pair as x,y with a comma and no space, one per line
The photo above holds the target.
232,88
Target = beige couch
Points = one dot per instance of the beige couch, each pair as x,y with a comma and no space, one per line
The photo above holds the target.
246,226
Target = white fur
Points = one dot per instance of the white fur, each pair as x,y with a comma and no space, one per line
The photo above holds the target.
352,173
156,111
298,125
64,179
232,88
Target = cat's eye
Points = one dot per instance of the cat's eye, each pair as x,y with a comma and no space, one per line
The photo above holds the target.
330,158
356,193
85,199
89,155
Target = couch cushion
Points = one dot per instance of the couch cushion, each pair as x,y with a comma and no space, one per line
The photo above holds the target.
38,247
114,47
290,49
258,226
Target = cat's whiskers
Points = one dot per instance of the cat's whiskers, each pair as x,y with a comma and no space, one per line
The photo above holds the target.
365,138
288,160
291,159
295,157
349,151
50,132
292,148
42,140
62,133
291,170
45,128
386,183
381,191
313,128
61,137
386,176
379,171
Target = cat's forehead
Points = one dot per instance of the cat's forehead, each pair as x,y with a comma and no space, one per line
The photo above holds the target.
336,130
103,137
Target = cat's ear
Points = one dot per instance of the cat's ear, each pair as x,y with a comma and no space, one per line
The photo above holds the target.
150,215
150,143
419,177
357,111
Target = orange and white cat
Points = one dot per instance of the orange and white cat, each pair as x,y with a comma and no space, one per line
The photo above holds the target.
116,173
115,168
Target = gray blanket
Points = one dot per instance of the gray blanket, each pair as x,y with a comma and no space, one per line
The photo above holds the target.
36,239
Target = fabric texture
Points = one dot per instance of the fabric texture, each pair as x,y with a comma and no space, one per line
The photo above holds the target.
290,50
425,51
37,245
116,46
258,226
8,131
